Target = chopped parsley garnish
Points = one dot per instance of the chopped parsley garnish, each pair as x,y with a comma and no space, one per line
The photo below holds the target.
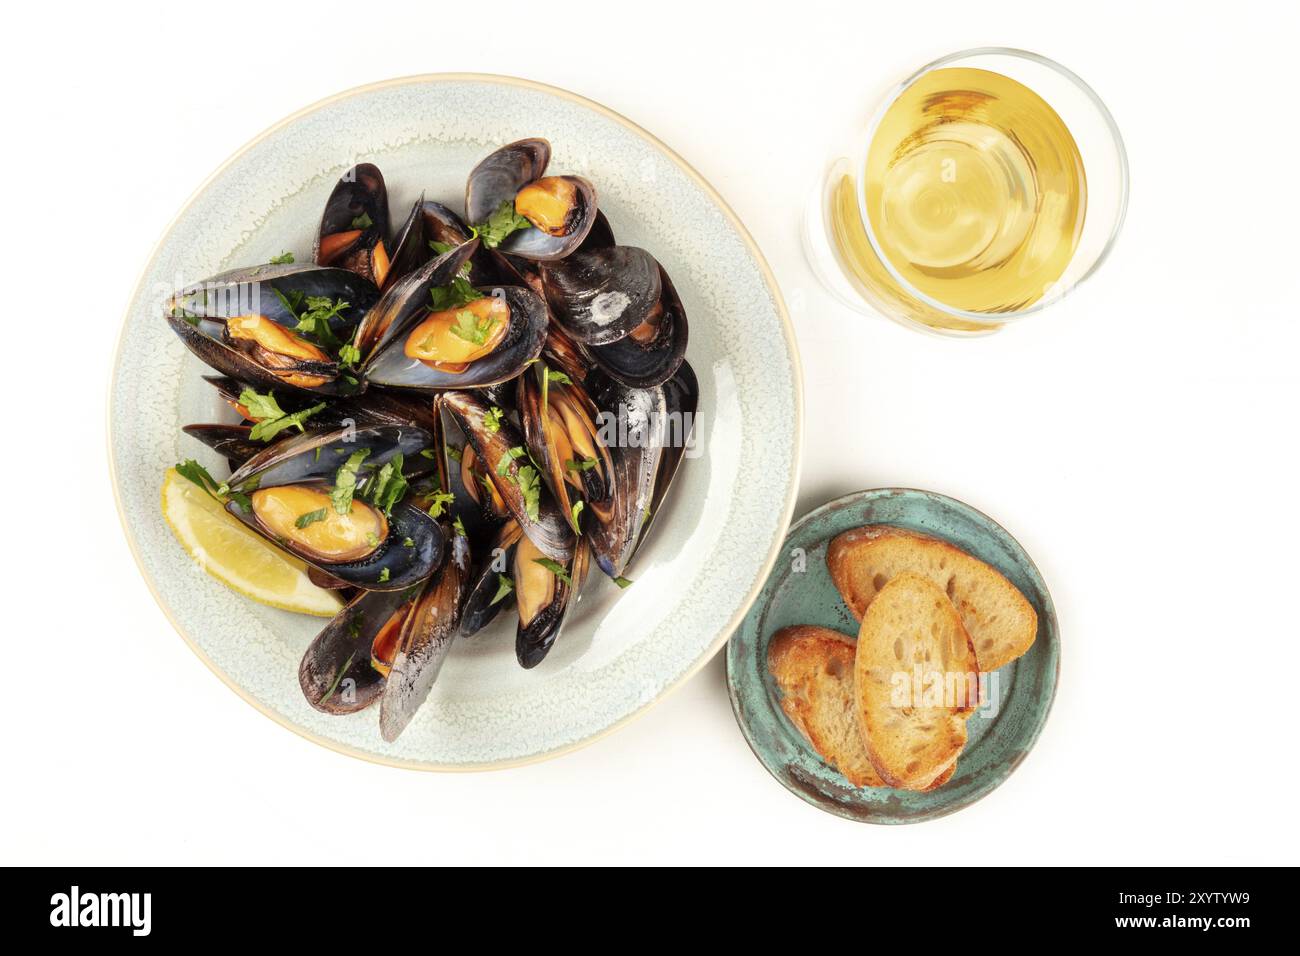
372,539
442,248
492,420
383,575
453,296
349,355
585,465
503,466
531,486
556,568
345,481
283,259
623,582
196,473
574,513
472,329
363,221
313,313
439,503
269,418
559,378
408,542
501,223
504,587
460,528
453,452
338,678
310,518
387,486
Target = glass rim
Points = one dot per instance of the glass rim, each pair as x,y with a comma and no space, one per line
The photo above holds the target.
992,319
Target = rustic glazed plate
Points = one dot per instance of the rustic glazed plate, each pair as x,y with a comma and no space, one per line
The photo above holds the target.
621,651
799,590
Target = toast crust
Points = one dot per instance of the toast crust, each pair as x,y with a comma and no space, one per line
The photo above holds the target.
1001,622
912,741
813,667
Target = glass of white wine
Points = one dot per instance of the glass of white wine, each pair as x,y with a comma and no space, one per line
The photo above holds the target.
988,184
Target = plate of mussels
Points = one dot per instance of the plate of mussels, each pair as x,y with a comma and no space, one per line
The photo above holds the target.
491,385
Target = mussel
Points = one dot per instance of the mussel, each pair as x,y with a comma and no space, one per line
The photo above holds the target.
542,590
521,211
618,304
442,333
275,325
338,500
424,640
511,473
346,666
633,423
353,232
561,429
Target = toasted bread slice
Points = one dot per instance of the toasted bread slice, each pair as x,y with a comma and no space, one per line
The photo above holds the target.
913,668
813,666
1001,623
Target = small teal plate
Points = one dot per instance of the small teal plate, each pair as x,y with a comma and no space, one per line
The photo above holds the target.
800,591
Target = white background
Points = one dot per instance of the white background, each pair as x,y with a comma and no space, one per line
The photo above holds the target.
1138,438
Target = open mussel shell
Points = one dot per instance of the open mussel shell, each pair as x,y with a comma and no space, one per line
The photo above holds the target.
561,428
425,639
512,473
521,342
372,549
486,596
543,599
633,425
409,297
601,235
502,175
600,296
410,246
649,354
233,442
681,402
353,232
336,672
201,315
377,407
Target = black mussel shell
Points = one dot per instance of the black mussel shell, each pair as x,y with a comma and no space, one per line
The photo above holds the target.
600,236
485,598
681,401
335,672
415,543
408,297
425,640
356,210
501,174
534,641
198,315
513,474
232,442
499,177
410,247
645,364
600,296
540,435
390,365
634,427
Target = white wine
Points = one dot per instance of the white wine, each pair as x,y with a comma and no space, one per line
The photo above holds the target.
975,192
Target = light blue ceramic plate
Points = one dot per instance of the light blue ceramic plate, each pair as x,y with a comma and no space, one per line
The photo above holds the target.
799,590
620,651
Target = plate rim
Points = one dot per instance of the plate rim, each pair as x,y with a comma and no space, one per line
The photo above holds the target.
787,328
836,809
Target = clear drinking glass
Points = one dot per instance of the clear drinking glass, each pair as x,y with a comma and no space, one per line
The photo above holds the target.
860,216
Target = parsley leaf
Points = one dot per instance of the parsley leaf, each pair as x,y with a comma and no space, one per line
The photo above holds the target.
458,293
492,420
504,587
309,518
283,259
556,568
501,223
531,486
363,221
622,582
439,502
387,486
472,329
345,481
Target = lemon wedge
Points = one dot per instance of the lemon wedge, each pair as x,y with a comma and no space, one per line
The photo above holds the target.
238,557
